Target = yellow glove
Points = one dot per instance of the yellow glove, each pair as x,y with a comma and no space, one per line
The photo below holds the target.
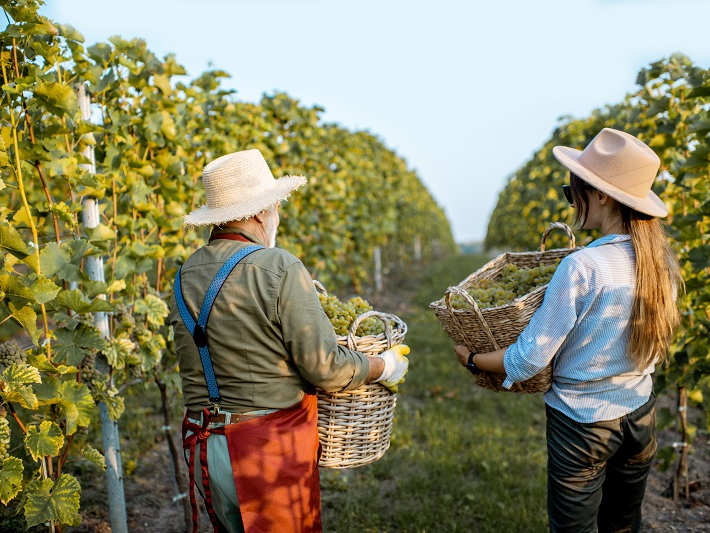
396,366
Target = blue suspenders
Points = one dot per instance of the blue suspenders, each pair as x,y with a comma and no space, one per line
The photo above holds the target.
198,328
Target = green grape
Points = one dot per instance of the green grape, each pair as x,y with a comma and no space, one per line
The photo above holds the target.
11,353
343,314
512,283
4,438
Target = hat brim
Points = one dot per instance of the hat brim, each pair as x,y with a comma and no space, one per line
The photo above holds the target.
651,204
281,190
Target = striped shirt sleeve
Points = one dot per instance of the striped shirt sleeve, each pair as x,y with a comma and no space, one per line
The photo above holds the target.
549,325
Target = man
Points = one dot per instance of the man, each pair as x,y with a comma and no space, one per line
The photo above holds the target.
251,358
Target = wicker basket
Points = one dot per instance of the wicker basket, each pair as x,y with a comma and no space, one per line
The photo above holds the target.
486,330
354,426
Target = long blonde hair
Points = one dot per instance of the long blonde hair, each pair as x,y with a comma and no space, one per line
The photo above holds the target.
655,315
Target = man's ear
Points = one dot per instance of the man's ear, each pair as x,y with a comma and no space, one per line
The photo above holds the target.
260,217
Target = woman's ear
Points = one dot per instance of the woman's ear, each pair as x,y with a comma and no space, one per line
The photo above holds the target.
603,198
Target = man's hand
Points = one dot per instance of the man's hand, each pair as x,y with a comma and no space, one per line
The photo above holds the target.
396,366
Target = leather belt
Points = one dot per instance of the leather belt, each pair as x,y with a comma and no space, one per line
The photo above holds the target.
222,418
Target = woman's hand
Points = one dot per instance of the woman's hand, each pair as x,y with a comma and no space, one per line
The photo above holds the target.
462,353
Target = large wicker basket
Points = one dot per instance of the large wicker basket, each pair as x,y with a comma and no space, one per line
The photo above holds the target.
486,330
354,426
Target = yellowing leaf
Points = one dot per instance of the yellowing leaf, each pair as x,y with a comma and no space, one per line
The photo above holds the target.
19,374
10,479
154,309
76,404
93,455
44,440
47,500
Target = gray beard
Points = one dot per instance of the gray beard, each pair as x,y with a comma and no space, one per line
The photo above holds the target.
270,231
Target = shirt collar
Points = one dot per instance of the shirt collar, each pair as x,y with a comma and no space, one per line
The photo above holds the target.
239,231
610,239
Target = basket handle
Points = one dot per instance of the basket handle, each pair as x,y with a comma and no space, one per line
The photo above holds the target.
319,287
384,317
558,225
474,307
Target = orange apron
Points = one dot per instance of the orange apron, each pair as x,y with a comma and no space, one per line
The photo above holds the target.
275,467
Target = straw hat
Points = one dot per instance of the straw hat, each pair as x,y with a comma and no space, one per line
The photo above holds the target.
619,165
238,186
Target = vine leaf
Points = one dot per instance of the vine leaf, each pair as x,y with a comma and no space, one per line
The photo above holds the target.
154,309
10,479
15,379
72,346
11,240
59,98
77,301
44,440
57,261
94,456
46,500
27,318
76,404
41,363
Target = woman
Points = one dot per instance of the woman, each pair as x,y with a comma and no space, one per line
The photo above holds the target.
608,317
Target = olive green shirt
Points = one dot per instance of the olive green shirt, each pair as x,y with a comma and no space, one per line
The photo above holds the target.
268,336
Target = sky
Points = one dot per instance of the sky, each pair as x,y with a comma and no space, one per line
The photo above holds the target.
464,90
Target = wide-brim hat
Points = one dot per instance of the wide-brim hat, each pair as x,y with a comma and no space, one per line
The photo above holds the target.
619,165
239,186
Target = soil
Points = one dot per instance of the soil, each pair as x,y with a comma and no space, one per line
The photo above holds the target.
150,489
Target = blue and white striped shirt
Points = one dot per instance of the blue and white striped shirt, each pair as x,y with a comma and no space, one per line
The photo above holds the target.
584,322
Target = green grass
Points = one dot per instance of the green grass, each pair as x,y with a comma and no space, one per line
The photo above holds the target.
462,458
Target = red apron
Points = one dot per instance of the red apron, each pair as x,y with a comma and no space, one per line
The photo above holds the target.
275,466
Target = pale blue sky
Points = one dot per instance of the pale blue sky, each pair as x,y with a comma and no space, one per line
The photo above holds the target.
464,91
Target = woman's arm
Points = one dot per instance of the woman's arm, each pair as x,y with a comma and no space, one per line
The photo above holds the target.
490,362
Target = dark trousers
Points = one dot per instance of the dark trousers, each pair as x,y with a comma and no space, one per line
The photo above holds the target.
597,472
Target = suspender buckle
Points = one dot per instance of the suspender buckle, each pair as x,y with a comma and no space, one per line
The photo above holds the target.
200,336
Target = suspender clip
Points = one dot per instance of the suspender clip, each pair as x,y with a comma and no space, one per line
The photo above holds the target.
199,336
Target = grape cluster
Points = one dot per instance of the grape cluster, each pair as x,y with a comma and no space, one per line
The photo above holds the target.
11,353
88,370
513,283
343,314
4,438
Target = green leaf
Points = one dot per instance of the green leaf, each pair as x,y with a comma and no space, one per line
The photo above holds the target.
27,318
154,309
93,455
76,404
57,261
76,301
12,241
46,500
43,289
72,346
118,350
44,440
10,479
60,99
15,289
100,233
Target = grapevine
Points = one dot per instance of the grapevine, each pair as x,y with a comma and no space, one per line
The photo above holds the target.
514,282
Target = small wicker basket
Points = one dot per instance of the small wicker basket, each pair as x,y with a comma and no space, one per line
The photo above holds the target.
487,330
354,426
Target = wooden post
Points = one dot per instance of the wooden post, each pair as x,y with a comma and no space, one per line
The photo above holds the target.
377,256
95,270
417,249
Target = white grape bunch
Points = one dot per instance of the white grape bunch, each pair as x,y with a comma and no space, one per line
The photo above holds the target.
343,314
11,353
512,283
4,438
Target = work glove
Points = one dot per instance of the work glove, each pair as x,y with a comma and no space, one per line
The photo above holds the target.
396,366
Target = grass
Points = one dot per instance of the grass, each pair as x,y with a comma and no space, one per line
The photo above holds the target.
462,458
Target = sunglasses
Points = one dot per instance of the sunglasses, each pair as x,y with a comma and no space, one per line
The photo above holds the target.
568,194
